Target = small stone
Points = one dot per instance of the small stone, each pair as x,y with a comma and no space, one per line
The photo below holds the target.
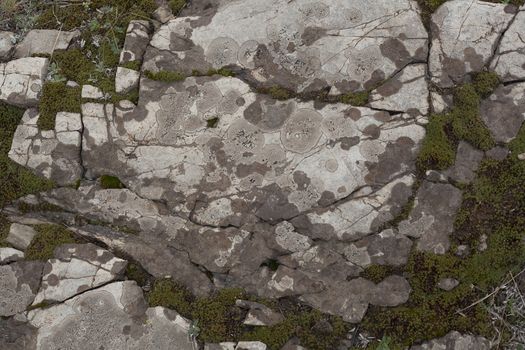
7,43
259,314
126,80
462,250
220,346
521,156
8,255
497,153
163,14
20,236
251,345
293,344
455,341
482,243
92,92
448,284
71,83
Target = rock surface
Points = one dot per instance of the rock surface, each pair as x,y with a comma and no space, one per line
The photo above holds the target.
114,316
19,284
455,341
509,61
77,268
8,255
7,44
44,42
21,80
20,236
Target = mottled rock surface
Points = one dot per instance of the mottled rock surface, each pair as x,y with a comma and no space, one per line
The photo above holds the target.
21,80
8,255
115,316
455,341
509,61
44,42
19,284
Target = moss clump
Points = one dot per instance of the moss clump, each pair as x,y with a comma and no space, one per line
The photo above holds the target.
15,180
279,93
74,65
47,239
377,273
225,72
57,97
485,83
437,150
135,65
212,122
177,5
165,76
356,98
136,273
167,293
111,182
466,123
4,230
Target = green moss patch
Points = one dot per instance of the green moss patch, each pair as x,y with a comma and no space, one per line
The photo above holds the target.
136,273
57,97
111,182
135,65
177,5
15,181
377,273
357,99
437,150
47,239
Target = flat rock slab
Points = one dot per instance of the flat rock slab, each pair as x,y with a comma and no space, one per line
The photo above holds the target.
115,316
465,34
21,80
455,341
77,268
509,61
432,218
19,284
44,41
20,236
302,45
54,153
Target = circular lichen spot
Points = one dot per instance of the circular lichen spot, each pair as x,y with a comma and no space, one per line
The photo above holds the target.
222,52
302,131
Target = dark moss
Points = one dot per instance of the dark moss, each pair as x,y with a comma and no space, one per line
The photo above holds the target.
377,273
168,294
66,18
47,239
212,122
111,182
136,273
485,83
437,150
135,65
225,72
57,97
279,93
74,65
4,230
356,98
272,264
177,5
15,181
165,76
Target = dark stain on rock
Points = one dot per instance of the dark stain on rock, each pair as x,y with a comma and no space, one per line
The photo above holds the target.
312,34
395,50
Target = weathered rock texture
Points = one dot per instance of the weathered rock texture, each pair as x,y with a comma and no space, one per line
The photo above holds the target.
21,80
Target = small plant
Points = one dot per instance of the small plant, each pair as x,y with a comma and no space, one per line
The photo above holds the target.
212,122
110,182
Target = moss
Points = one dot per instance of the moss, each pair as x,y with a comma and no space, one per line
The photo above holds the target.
437,150
135,65
168,294
377,273
356,98
517,145
212,122
66,18
485,83
280,93
136,273
165,76
111,182
466,123
57,97
177,5
15,180
47,239
4,230
74,65
272,264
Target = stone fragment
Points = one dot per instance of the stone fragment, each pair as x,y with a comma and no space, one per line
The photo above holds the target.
406,91
163,14
504,111
54,154
114,316
509,61
497,153
7,43
44,41
464,35
432,218
293,344
92,92
220,346
137,39
20,236
392,291
126,80
455,341
19,283
250,345
77,268
448,284
8,255
466,164
301,46
21,80
259,314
